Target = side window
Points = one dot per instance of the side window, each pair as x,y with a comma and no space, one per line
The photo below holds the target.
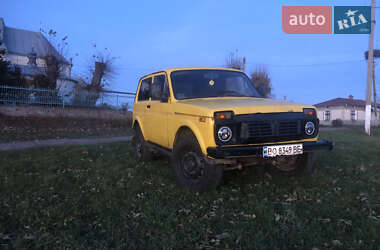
354,115
144,92
327,115
158,86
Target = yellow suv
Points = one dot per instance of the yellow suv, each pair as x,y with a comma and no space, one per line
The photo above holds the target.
209,120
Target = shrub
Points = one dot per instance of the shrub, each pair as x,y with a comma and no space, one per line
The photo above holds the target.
124,107
337,123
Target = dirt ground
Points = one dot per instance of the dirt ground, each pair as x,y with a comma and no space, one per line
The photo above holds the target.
41,128
61,142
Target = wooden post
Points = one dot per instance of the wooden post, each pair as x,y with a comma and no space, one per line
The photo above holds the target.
374,88
368,109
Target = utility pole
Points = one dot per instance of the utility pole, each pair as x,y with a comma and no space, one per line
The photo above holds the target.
244,64
374,89
367,124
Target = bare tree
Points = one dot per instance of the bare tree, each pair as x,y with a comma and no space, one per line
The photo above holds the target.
260,79
59,44
52,70
4,64
54,59
8,75
233,60
102,70
101,73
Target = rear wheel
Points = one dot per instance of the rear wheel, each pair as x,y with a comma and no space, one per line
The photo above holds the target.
140,149
294,165
190,168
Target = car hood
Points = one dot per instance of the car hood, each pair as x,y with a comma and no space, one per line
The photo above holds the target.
239,105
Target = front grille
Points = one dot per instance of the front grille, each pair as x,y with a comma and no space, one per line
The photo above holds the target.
259,129
288,128
271,130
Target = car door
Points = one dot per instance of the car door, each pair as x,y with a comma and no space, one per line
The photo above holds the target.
159,109
141,106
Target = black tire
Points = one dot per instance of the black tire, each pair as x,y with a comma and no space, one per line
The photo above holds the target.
141,151
301,165
191,170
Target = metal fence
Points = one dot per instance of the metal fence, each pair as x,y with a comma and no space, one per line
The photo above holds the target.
10,95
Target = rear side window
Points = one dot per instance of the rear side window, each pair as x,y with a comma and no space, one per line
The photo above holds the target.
144,93
158,87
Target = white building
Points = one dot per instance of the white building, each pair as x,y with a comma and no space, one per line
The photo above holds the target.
351,111
28,50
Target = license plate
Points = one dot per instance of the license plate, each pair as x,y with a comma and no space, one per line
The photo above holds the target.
278,150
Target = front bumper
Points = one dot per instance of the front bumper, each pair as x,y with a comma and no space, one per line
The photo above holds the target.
248,151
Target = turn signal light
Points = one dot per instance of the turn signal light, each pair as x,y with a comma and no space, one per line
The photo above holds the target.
223,115
310,112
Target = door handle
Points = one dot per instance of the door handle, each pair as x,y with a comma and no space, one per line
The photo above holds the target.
148,106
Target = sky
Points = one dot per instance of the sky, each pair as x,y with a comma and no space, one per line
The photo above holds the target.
147,36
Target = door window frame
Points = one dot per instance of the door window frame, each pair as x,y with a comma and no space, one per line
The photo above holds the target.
165,86
149,91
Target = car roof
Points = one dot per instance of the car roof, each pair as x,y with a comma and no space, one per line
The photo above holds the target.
169,70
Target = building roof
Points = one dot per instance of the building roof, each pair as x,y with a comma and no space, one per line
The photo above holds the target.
23,42
342,102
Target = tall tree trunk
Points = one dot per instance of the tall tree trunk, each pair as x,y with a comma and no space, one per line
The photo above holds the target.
97,76
96,83
52,71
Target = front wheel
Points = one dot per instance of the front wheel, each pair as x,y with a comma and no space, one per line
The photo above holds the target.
294,165
141,151
190,168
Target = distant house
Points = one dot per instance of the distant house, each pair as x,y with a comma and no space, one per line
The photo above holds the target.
351,111
29,51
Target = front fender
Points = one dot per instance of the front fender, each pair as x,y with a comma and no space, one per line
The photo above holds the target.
203,131
136,120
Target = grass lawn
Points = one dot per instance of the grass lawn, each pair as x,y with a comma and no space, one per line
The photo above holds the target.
98,197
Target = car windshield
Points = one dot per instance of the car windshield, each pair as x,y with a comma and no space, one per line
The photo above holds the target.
189,84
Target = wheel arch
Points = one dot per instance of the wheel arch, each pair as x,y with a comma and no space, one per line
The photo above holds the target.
183,129
137,123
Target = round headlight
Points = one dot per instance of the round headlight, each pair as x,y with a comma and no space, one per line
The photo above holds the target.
309,128
224,134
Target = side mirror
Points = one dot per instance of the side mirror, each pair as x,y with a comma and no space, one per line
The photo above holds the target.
261,90
164,97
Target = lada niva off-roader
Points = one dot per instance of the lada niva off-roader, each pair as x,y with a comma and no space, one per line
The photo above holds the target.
209,120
